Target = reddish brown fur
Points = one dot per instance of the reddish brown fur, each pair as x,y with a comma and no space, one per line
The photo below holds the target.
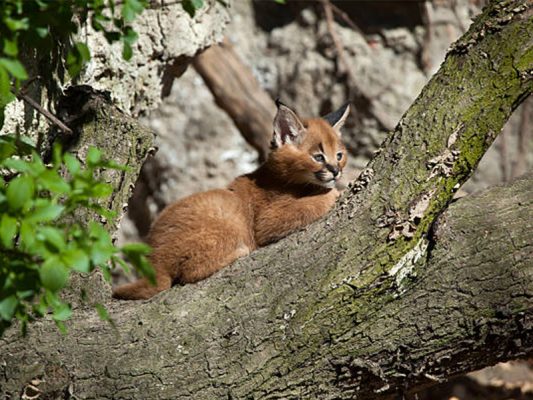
198,235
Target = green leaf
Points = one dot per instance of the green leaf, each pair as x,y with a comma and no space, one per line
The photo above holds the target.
77,57
106,272
6,96
10,145
19,191
101,190
76,259
131,8
25,294
112,36
113,165
40,308
74,63
130,36
25,145
8,230
16,24
104,212
136,253
50,180
57,156
22,145
191,6
141,264
2,115
62,312
10,47
144,267
17,164
101,253
127,51
139,248
97,231
117,260
53,274
84,51
93,156
45,213
72,163
14,67
36,165
102,312
61,326
53,236
27,235
35,196
127,12
7,147
42,32
8,307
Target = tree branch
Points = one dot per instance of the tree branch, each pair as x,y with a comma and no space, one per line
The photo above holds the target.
371,301
244,333
237,92
51,117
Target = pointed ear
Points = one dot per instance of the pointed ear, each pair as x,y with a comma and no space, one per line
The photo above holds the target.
337,118
287,126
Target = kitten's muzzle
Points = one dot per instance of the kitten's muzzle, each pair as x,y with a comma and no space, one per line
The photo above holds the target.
328,176
334,170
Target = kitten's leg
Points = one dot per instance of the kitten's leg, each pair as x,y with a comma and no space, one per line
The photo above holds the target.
213,256
284,217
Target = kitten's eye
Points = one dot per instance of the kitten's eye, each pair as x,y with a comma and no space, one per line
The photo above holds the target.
319,158
339,156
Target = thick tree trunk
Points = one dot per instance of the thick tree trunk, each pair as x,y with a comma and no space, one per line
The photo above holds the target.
371,301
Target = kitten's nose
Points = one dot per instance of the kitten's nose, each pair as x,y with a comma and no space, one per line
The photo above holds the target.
334,170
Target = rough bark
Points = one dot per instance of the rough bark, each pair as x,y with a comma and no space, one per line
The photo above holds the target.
97,122
237,91
371,301
167,35
244,334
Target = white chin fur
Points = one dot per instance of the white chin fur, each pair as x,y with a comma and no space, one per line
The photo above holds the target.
329,184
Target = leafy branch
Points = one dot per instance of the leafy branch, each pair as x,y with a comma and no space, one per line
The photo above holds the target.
41,242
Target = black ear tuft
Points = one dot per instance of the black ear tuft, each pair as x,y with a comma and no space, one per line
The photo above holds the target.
337,118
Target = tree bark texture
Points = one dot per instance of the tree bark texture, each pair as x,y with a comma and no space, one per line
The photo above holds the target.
238,93
121,138
374,300
466,303
98,123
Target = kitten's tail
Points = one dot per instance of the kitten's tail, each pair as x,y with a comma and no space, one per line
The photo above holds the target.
141,289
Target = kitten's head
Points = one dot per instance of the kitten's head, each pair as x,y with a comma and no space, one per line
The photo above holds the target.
309,151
